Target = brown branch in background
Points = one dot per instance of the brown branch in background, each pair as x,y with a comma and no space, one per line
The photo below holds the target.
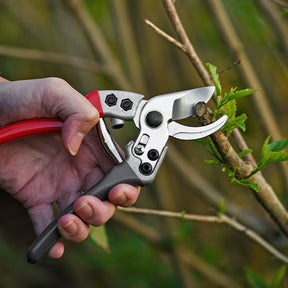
167,200
277,24
155,237
127,43
166,36
281,3
237,135
51,57
221,218
261,225
229,67
226,27
184,39
264,111
98,43
266,195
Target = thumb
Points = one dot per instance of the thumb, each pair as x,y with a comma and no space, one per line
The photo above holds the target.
76,127
78,113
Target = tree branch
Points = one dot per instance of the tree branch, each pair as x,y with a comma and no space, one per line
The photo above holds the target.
155,237
98,42
51,57
220,219
184,39
266,195
281,3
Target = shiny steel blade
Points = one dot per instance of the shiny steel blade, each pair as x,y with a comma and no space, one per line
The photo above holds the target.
184,106
108,143
182,132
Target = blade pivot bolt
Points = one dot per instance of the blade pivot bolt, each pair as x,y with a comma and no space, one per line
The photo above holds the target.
154,119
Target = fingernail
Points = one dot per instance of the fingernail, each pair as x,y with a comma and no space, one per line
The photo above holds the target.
85,210
119,199
75,143
70,228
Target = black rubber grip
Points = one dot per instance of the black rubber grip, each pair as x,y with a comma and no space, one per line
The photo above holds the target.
121,173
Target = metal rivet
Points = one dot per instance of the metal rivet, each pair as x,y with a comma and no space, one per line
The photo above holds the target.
146,168
111,100
153,154
126,104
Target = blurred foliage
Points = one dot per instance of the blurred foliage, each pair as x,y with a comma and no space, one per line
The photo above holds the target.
151,66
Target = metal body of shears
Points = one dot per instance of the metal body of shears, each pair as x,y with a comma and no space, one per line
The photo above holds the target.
155,119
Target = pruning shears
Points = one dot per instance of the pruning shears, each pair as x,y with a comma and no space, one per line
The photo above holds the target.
156,120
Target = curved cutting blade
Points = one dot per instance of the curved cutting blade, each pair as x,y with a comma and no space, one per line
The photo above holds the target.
184,106
179,131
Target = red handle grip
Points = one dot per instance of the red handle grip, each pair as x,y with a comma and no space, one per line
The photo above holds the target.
41,126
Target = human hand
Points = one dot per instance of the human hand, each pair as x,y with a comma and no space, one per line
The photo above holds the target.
44,169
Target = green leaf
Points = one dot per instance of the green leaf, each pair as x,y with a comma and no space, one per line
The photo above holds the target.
182,215
222,206
233,94
211,161
245,152
99,236
230,109
270,154
215,77
248,183
279,277
244,182
273,157
237,122
240,121
255,280
263,157
277,145
211,149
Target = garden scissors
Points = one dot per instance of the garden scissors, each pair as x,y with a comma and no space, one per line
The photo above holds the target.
155,119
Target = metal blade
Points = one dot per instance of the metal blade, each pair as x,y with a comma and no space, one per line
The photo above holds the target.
108,143
179,131
184,106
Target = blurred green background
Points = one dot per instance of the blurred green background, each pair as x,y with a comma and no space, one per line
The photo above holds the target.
42,38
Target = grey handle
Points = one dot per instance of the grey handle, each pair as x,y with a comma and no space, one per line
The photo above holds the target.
121,173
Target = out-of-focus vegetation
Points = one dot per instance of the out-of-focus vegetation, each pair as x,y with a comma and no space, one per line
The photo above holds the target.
48,38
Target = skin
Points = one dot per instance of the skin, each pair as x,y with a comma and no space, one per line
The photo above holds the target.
45,169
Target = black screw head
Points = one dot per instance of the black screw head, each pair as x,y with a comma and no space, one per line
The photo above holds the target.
146,168
154,119
111,100
126,104
153,154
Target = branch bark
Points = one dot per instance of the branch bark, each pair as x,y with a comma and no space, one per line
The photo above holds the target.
153,236
51,57
266,195
221,218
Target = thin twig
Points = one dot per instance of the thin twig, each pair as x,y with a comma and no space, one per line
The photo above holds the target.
281,3
265,113
184,39
155,237
127,43
165,35
222,219
51,57
230,67
99,43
